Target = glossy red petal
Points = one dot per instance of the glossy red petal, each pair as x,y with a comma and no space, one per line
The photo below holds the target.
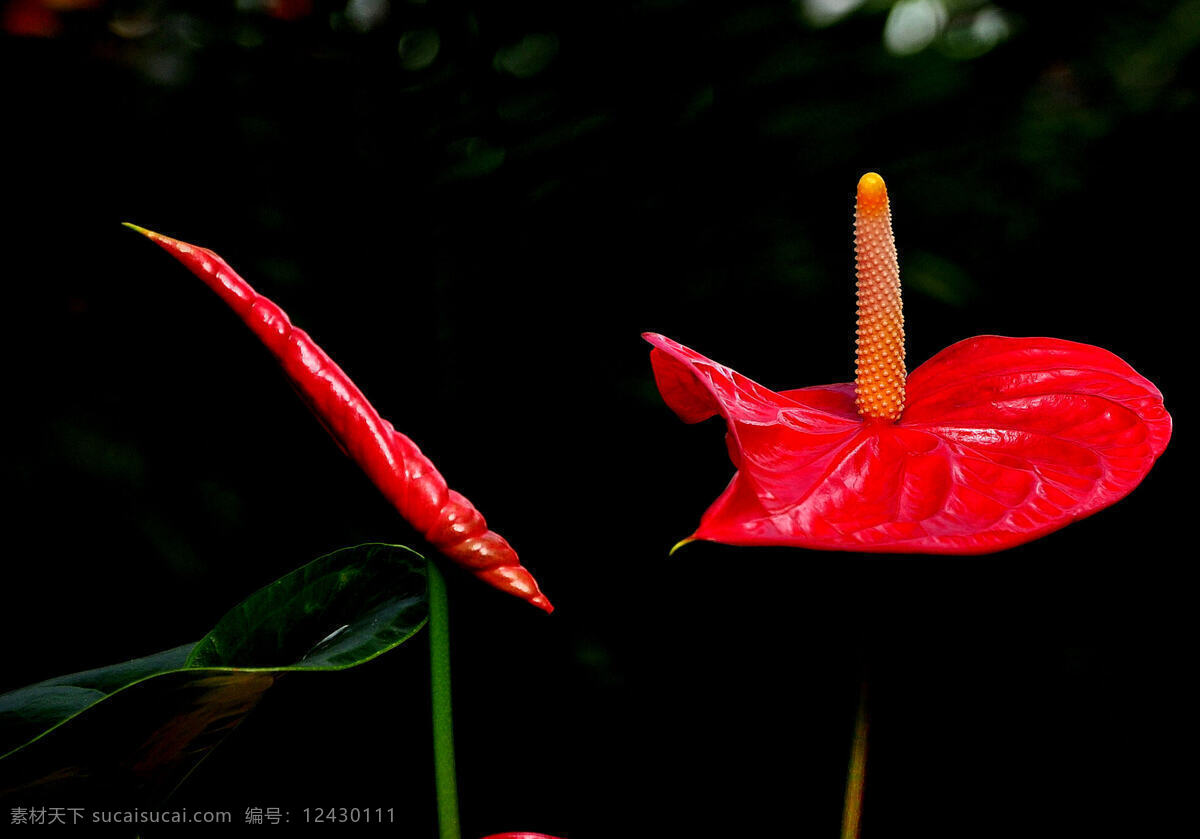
520,836
1003,440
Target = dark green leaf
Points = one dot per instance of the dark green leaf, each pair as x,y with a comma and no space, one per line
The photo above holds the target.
137,728
335,612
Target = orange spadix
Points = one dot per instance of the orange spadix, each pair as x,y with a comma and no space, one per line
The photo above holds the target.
879,359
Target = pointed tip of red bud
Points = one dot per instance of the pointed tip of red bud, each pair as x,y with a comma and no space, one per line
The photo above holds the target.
147,233
157,238
542,602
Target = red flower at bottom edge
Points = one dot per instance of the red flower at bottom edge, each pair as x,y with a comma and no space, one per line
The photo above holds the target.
991,443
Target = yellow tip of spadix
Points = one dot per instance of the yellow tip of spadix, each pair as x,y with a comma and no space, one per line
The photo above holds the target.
872,194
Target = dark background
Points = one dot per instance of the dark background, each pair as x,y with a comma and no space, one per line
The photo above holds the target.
476,208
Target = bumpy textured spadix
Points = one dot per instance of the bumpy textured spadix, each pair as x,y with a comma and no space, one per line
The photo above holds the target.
392,461
879,362
999,441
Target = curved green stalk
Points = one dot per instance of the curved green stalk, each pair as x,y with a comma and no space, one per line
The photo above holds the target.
856,775
445,782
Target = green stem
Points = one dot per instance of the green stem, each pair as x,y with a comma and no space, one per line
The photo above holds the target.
856,775
443,723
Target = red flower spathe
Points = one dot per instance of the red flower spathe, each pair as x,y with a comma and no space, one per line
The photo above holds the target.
1002,440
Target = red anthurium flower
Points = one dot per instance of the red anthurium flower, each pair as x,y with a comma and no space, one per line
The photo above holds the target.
991,443
520,836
